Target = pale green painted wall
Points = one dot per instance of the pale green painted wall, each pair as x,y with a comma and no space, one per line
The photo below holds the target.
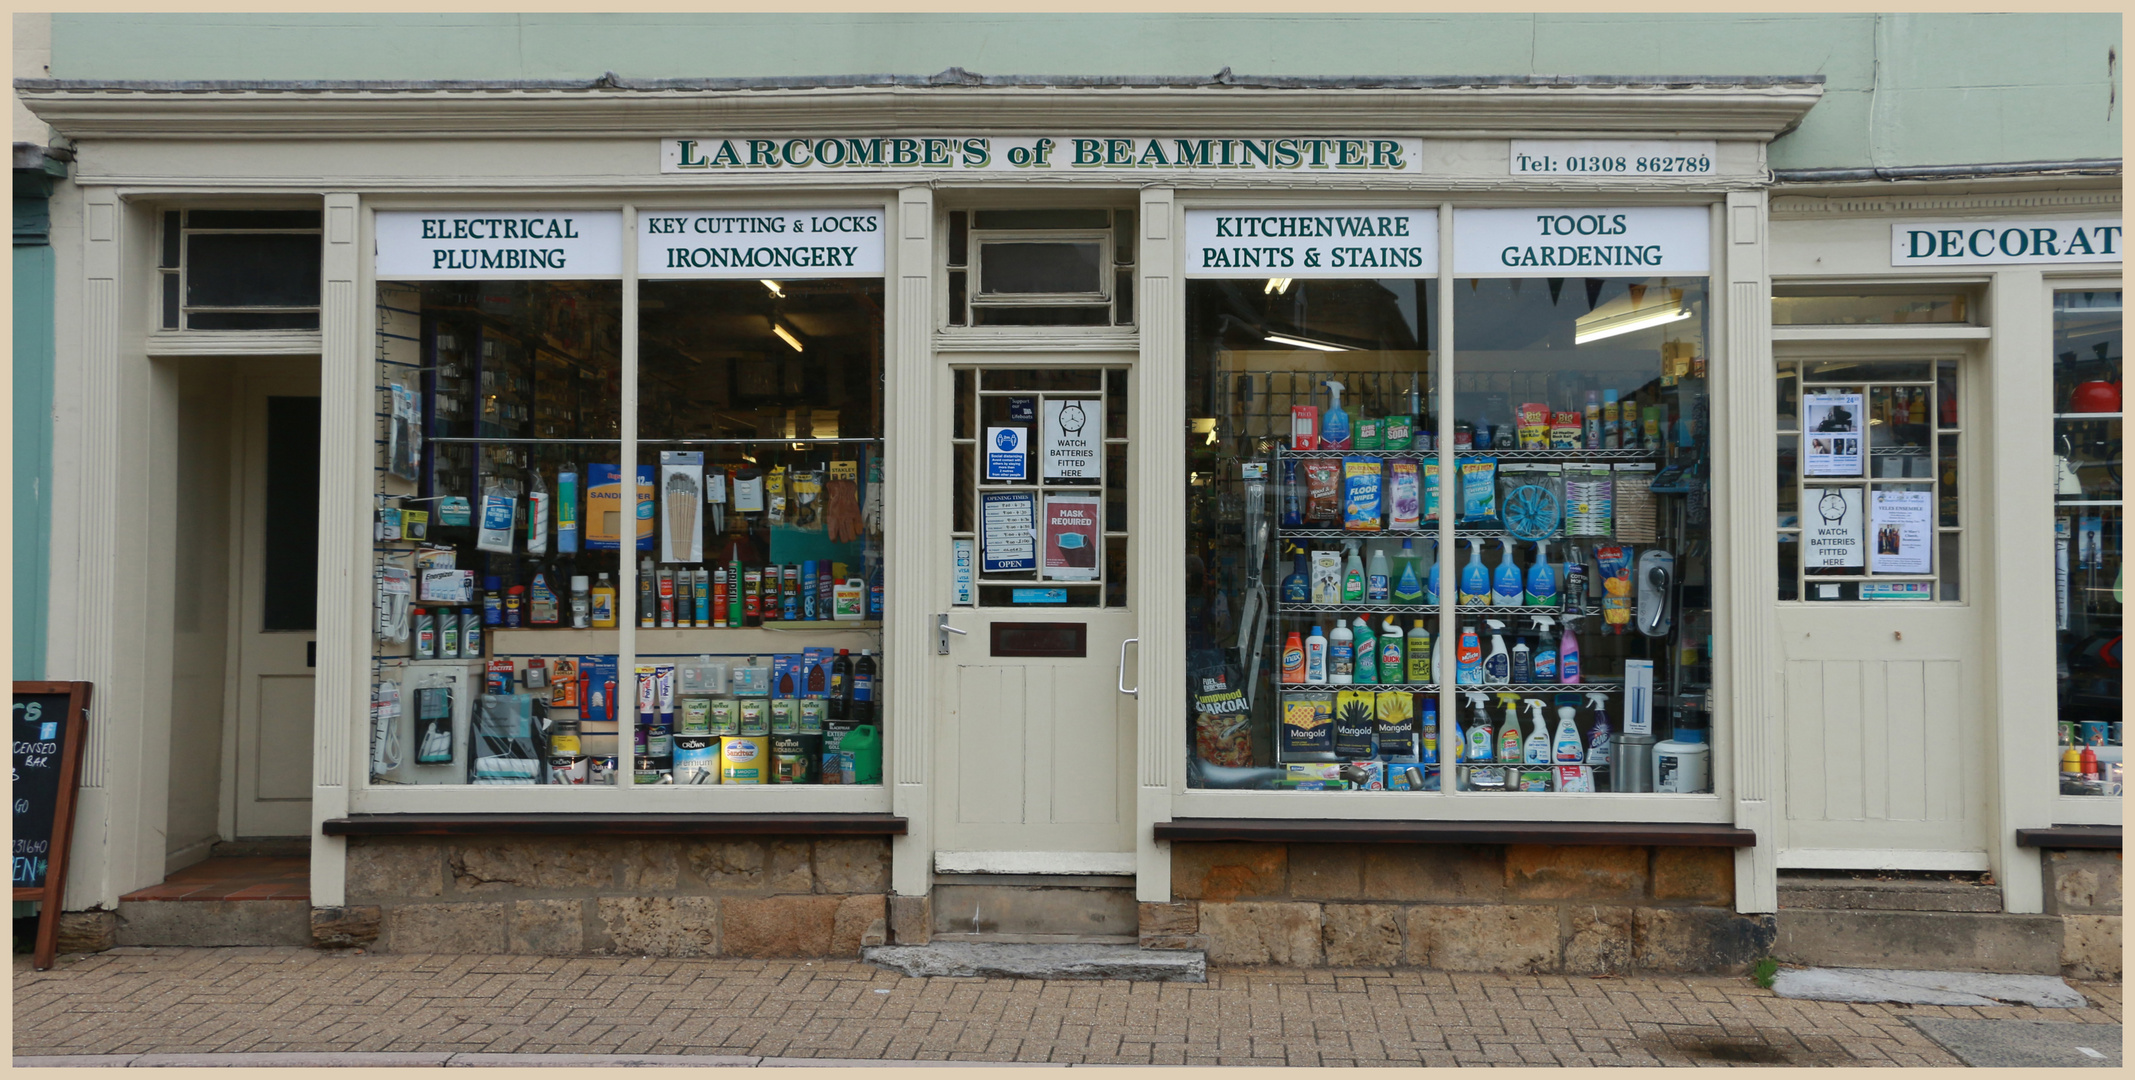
1920,89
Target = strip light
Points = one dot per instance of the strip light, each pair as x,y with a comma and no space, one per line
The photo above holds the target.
1629,321
1276,285
787,337
1306,343
773,286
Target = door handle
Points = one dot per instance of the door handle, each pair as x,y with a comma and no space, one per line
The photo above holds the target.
942,631
1137,691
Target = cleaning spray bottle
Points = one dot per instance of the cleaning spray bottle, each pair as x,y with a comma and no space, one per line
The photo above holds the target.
1341,654
1297,588
1365,647
1545,651
1474,577
1566,748
1598,735
1508,585
1479,728
1470,658
1537,748
1430,584
1352,574
1407,585
1568,654
1393,659
1429,732
1378,585
1509,733
1334,425
1497,663
1541,578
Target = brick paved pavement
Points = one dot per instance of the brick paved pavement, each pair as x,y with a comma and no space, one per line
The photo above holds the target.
133,1001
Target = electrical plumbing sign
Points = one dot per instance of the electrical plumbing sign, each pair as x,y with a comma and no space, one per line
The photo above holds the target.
1053,154
760,243
1642,241
417,245
1361,242
1987,243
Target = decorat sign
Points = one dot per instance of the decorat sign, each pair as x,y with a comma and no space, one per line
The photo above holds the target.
496,245
1361,242
1645,241
756,244
1074,437
1053,154
1600,157
1985,243
1831,527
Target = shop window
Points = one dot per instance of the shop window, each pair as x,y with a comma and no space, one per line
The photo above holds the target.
1869,503
1041,267
2088,538
1895,305
239,270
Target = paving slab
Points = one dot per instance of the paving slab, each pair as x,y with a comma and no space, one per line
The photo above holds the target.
288,1061
1926,987
1002,961
582,1061
107,1061
2017,1044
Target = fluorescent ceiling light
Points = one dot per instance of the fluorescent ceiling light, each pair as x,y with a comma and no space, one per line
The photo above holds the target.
1629,316
1276,285
787,337
774,287
1306,343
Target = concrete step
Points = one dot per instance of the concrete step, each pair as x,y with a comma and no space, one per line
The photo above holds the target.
205,923
1838,892
1011,961
1036,907
1920,940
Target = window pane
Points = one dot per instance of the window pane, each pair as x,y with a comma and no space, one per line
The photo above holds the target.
291,545
1789,481
1123,237
254,219
1042,219
1949,565
1040,267
959,238
263,270
1869,310
1946,473
170,301
1789,399
1094,315
2088,539
1123,299
958,298
252,320
1043,379
1789,565
964,428
173,233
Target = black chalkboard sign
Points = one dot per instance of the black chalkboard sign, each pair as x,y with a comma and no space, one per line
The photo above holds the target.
51,720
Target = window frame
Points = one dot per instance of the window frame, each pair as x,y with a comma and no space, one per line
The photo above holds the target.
177,276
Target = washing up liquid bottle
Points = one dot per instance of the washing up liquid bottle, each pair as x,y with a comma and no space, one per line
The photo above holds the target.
1566,747
1407,584
1352,575
1479,728
1598,735
1523,660
1430,584
1497,663
1536,752
1393,662
1378,586
1334,425
1419,645
1508,587
1568,654
1316,657
1469,659
1341,655
1297,588
1541,579
1474,577
1364,646
1293,659
1509,733
1545,651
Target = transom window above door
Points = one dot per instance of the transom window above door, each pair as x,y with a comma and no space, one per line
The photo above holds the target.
1071,267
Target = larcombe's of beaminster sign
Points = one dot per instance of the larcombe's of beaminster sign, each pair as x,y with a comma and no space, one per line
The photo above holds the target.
1331,154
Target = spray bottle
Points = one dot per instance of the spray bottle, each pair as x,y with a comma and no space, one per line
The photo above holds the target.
1352,575
1507,587
1541,578
1537,748
1508,733
1566,747
1297,588
1568,654
1407,584
1365,647
1429,732
1334,425
1497,664
1545,651
1597,733
1474,577
1430,585
1469,659
1479,728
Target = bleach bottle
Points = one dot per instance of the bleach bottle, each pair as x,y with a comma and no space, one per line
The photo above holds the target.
1334,426
1508,586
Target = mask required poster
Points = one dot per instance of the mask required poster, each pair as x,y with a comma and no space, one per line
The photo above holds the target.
1071,537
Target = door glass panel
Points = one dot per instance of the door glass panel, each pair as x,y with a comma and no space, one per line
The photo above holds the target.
1039,268
290,549
2088,539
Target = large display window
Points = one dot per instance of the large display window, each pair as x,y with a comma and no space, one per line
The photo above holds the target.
1483,570
2088,539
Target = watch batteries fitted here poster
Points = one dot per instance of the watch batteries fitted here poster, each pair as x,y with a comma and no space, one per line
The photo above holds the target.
1008,535
1831,526
1903,525
1074,437
1832,424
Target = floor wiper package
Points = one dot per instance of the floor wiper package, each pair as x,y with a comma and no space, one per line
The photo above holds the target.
504,747
1478,490
1362,499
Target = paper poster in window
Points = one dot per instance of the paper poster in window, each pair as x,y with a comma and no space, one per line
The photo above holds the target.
1831,527
1074,439
1008,540
1071,537
1903,525
1835,429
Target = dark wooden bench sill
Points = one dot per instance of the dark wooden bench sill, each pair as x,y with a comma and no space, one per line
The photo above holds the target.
1456,832
2071,836
615,825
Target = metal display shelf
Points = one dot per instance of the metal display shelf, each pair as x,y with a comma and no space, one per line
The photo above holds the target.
1430,609
1638,454
1428,532
1432,688
1414,688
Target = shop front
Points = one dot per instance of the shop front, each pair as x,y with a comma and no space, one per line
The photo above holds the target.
1471,527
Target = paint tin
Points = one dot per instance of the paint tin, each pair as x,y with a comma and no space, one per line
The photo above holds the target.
794,758
600,770
655,770
563,739
693,716
696,760
1631,763
724,717
812,711
754,722
785,716
743,759
567,769
652,740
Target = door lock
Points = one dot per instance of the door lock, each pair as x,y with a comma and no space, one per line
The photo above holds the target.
942,631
